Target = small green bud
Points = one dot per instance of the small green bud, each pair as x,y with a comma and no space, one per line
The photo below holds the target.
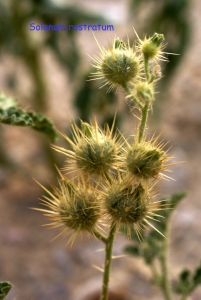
157,39
152,47
119,44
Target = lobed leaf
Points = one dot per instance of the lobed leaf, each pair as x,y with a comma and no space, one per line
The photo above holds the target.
11,114
5,287
188,281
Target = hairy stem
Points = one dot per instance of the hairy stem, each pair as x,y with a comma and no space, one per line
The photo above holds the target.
99,235
108,258
165,283
165,280
142,127
143,108
146,68
156,276
135,100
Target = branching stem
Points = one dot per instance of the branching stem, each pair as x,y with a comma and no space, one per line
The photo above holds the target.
99,235
108,258
142,127
135,100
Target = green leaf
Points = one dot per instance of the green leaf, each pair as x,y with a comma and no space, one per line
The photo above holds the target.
172,201
5,287
11,114
184,286
184,276
188,281
152,247
197,276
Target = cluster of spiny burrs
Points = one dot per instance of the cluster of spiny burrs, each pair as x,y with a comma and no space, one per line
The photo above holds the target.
112,179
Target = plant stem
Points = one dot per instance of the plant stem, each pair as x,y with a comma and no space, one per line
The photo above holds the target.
145,111
108,258
165,283
143,108
156,276
146,68
99,235
135,100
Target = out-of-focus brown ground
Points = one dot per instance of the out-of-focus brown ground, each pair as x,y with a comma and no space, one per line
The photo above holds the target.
44,270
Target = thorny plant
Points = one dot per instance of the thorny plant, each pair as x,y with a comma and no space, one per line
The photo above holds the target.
114,178
113,182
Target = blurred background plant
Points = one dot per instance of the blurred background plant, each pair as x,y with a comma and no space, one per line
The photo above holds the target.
47,72
16,40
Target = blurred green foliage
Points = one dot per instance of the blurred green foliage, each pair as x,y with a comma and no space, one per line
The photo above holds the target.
15,17
170,18
16,40
188,281
90,100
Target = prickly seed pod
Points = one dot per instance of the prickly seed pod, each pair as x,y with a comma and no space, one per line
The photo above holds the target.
125,205
145,163
81,213
128,205
74,206
145,160
95,155
94,151
118,65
